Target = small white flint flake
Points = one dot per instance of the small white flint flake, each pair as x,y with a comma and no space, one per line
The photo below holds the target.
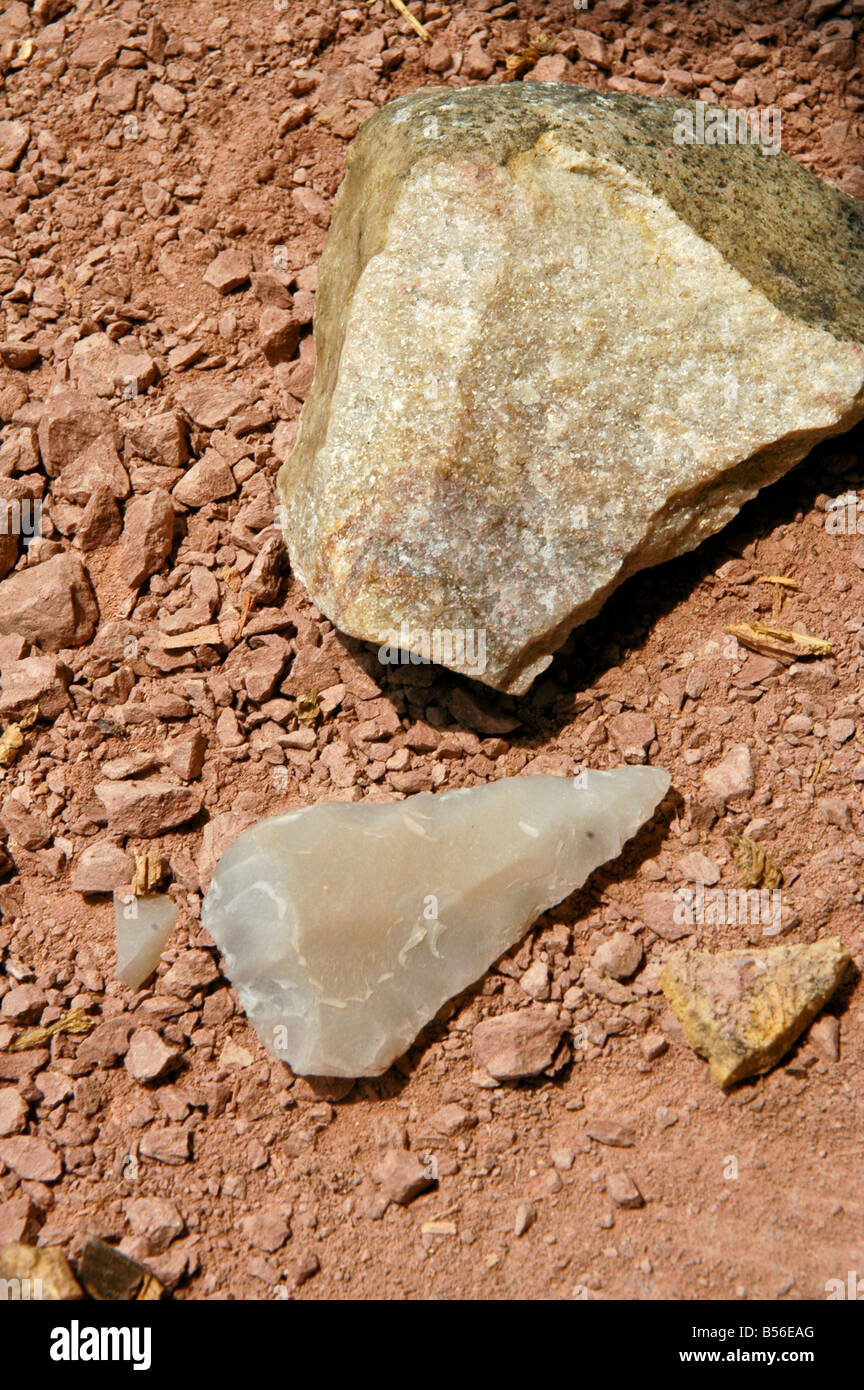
143,926
344,930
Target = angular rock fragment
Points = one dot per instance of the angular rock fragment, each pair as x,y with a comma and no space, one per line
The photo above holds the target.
37,1275
17,355
53,603
623,1190
20,1219
208,479
401,1176
279,334
14,136
32,1160
518,1044
35,680
743,1010
228,271
558,341
346,926
266,1230
168,1145
100,522
98,464
143,926
100,367
70,423
101,868
733,777
149,1058
161,438
147,806
148,532
14,1112
109,1275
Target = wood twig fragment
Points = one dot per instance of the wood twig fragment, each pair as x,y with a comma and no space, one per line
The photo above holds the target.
779,643
401,8
232,577
780,582
821,765
783,580
149,872
73,1021
248,604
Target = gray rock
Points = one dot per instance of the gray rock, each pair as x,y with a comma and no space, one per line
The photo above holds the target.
556,344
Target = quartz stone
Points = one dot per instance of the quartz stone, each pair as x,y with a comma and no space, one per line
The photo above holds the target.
143,926
345,926
561,335
743,1010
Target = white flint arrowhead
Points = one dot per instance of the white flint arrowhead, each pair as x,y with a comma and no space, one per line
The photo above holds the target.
346,926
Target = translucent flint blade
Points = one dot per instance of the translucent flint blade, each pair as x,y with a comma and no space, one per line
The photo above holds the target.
346,926
143,926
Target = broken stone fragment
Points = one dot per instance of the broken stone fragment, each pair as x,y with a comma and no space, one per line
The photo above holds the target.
100,367
148,533
42,1275
98,464
69,423
100,522
149,1059
228,271
556,344
142,926
147,806
20,1219
159,438
207,480
619,957
14,1111
517,1044
743,1010
35,680
31,1159
401,1176
17,355
100,868
155,1218
53,603
346,926
14,136
623,1190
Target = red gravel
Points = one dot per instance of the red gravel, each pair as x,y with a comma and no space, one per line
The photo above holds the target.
159,232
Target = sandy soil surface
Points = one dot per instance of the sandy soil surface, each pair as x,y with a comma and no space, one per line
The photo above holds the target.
141,143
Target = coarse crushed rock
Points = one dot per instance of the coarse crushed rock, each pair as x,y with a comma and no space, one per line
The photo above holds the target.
166,176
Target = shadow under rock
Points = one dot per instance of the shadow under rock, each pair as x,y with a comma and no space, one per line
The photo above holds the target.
621,628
